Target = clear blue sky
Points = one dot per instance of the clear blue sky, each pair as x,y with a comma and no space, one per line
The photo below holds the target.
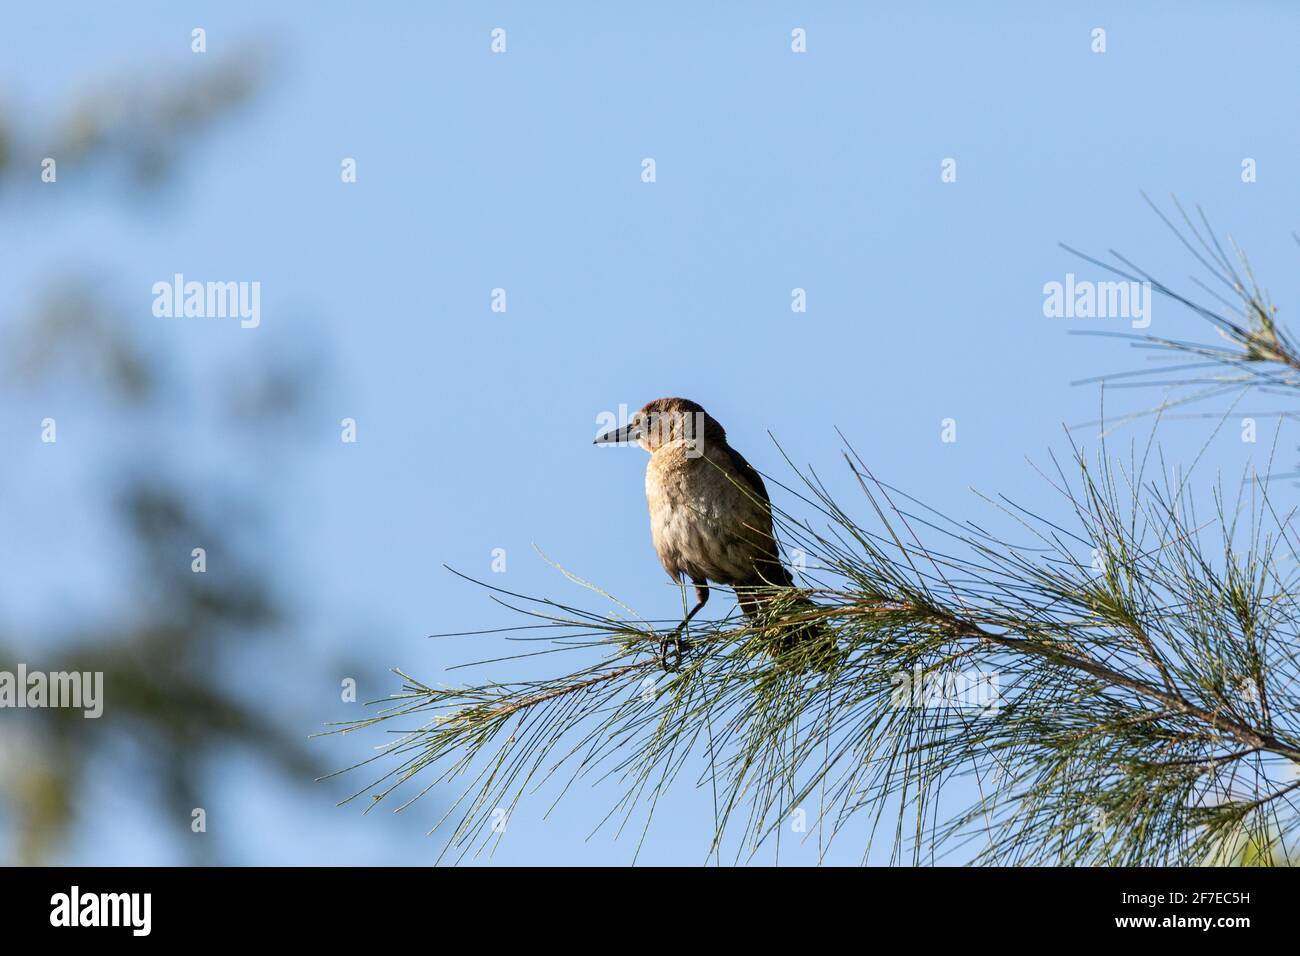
522,171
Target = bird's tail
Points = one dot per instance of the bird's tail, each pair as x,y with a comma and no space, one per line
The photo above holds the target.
786,614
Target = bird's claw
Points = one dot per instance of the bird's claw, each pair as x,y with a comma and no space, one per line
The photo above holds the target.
672,642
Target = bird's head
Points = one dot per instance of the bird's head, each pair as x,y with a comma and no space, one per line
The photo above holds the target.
665,421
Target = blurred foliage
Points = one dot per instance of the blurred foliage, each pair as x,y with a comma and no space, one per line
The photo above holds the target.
138,126
161,666
167,654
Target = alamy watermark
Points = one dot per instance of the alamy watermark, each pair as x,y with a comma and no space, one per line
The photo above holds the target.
653,430
209,300
83,690
1084,299
130,910
956,689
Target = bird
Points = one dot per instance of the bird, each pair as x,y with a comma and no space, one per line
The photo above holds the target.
710,514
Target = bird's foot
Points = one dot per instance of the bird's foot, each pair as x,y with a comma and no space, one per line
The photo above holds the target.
672,649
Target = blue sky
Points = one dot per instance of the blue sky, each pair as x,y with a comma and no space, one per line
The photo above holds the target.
522,171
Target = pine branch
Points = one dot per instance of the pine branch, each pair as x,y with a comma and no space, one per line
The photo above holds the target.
1128,723
1260,353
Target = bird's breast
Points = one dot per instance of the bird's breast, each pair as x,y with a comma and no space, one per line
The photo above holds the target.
702,523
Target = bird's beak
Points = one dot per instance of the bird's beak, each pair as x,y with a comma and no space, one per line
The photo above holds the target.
619,436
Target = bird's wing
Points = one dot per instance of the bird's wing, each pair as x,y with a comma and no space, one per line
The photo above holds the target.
750,476
762,540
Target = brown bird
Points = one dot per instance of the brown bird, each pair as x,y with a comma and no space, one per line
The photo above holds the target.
710,514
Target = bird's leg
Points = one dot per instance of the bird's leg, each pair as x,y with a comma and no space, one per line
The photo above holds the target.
674,637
